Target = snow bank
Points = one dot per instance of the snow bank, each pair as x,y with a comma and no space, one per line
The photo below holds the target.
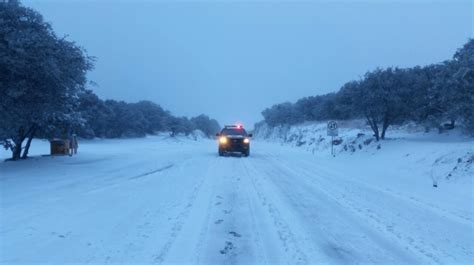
446,157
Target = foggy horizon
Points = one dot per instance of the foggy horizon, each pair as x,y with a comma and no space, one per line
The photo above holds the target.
189,57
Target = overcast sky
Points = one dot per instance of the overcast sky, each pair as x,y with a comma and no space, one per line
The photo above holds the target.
232,59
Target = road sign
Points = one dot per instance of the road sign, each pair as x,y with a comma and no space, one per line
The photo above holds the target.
332,128
332,131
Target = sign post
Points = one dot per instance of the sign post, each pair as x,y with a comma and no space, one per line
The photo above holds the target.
332,131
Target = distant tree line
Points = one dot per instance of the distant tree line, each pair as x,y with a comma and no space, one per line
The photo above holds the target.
42,90
116,119
436,96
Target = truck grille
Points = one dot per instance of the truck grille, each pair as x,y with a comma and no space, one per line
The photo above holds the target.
236,142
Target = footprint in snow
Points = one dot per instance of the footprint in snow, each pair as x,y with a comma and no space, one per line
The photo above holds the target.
235,234
228,247
218,221
59,235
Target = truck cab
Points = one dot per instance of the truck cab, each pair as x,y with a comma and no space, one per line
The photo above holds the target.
234,139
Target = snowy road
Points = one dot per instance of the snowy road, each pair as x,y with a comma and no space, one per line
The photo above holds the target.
150,202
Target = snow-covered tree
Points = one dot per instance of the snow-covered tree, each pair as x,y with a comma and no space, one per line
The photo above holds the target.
430,96
284,113
208,126
463,84
41,76
155,115
177,125
383,98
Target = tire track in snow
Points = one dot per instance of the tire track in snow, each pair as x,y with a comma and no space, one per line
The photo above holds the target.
207,226
154,171
242,230
464,218
231,234
254,211
392,220
336,232
294,253
181,218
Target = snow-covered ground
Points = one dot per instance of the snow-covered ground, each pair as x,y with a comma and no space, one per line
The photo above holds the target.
160,200
412,153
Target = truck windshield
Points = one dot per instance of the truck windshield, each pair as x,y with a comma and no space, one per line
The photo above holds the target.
233,131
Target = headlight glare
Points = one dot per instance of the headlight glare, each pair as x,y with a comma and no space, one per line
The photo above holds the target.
223,140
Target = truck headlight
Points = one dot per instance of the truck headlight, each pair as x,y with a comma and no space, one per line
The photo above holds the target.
246,140
223,140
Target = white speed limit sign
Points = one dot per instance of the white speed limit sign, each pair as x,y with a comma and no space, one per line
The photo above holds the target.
332,128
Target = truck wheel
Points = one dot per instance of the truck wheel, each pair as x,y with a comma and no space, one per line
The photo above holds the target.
221,152
247,153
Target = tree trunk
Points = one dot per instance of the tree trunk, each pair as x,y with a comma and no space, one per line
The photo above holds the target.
18,141
374,127
385,125
376,131
16,152
31,135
